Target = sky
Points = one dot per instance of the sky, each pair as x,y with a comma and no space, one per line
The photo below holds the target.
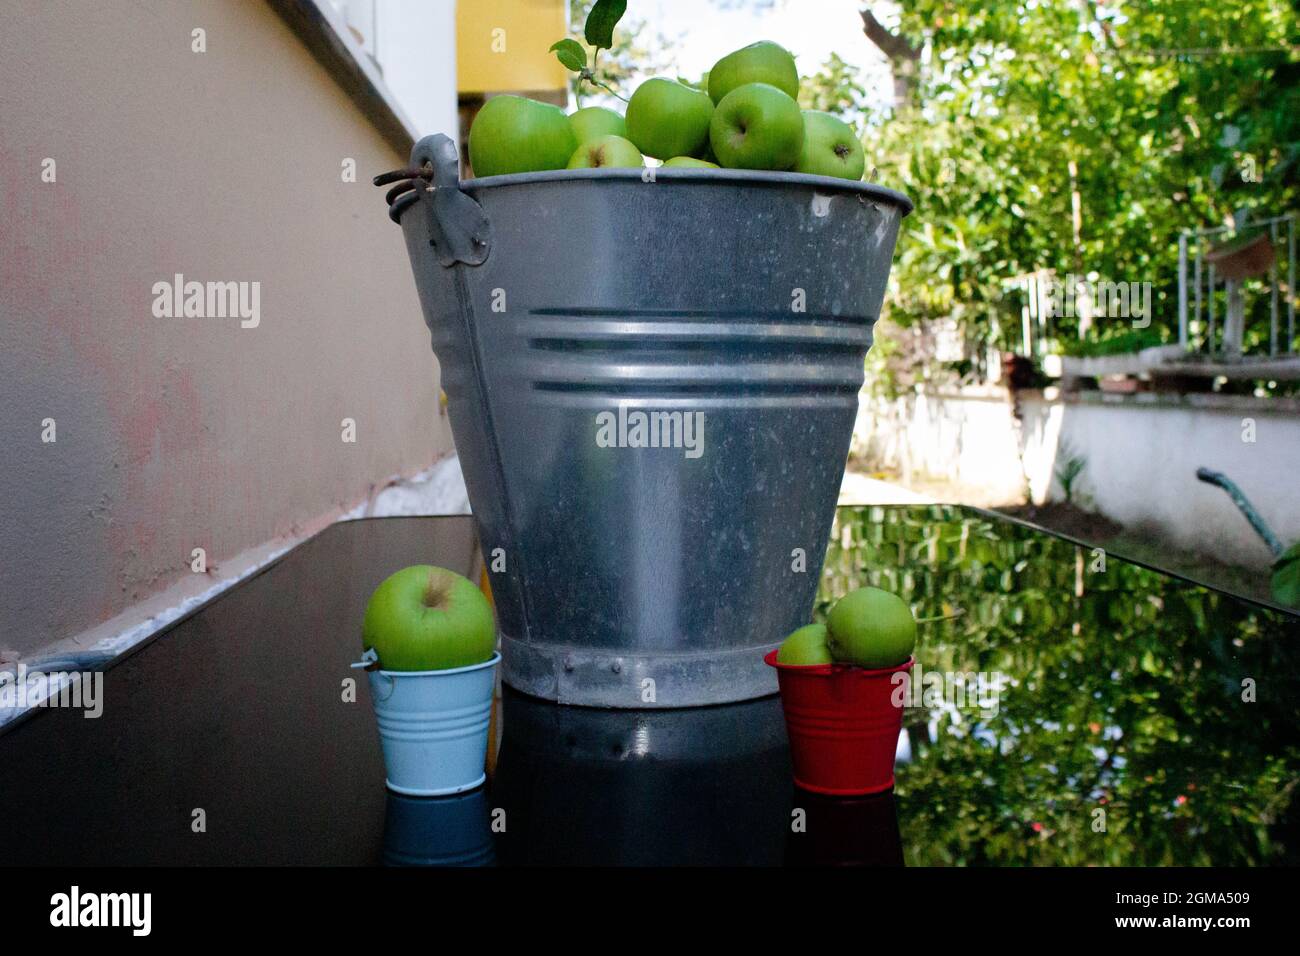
810,29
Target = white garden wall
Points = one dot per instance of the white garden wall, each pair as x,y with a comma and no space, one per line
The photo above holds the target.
1141,453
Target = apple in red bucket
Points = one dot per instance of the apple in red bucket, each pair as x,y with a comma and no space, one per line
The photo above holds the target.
871,628
804,647
425,618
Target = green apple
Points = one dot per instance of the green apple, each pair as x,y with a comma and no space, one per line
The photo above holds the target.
592,122
762,62
805,646
513,134
871,628
666,118
425,619
830,147
605,151
756,126
681,162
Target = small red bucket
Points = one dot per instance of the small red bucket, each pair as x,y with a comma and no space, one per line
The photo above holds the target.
843,723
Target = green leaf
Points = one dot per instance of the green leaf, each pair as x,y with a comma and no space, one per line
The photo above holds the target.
599,30
571,54
1286,577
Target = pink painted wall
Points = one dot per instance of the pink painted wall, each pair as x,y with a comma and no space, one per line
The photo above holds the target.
176,433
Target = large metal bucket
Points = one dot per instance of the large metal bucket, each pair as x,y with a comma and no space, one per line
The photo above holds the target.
563,303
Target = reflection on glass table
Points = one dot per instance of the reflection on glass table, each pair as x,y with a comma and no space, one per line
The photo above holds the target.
1141,719
1071,708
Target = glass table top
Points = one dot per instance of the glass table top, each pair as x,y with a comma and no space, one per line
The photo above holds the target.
1068,707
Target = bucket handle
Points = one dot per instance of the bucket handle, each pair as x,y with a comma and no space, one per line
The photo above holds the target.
459,230
370,662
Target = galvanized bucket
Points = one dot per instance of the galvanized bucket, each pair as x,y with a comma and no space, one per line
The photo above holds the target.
652,378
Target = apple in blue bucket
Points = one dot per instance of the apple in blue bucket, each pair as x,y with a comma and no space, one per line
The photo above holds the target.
425,618
868,627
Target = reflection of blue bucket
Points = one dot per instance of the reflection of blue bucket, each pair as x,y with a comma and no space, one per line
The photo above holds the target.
433,726
438,831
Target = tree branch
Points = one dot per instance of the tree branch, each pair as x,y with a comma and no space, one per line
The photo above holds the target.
902,56
894,47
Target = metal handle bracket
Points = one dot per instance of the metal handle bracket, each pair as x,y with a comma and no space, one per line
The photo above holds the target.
459,230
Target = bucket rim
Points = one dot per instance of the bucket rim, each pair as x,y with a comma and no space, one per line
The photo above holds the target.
682,174
827,670
490,662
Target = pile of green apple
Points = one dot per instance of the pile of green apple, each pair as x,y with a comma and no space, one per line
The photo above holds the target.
748,119
425,618
868,627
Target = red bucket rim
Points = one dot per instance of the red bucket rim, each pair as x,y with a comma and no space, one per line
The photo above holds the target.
826,670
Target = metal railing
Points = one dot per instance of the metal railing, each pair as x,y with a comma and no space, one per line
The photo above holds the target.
1211,295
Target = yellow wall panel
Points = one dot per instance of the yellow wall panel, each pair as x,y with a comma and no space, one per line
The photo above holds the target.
502,45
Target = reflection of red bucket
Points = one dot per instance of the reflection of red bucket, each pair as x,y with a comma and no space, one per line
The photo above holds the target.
843,724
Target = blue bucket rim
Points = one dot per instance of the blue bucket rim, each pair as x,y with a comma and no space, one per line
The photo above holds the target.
681,173
491,661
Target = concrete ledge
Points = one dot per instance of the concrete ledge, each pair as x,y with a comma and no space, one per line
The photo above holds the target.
1206,400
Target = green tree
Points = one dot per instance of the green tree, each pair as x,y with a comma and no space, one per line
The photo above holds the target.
836,88
1149,112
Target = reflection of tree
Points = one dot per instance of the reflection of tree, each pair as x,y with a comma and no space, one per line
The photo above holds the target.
1126,696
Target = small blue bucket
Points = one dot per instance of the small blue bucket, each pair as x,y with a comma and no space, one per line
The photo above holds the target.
433,726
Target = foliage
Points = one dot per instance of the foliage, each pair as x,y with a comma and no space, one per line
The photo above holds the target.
1012,93
598,31
835,88
1286,577
1069,470
633,50
1122,342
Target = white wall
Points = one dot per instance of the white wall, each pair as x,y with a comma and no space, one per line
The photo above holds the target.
176,433
1141,456
414,44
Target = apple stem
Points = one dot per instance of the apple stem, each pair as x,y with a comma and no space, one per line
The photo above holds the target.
589,75
609,90
436,591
